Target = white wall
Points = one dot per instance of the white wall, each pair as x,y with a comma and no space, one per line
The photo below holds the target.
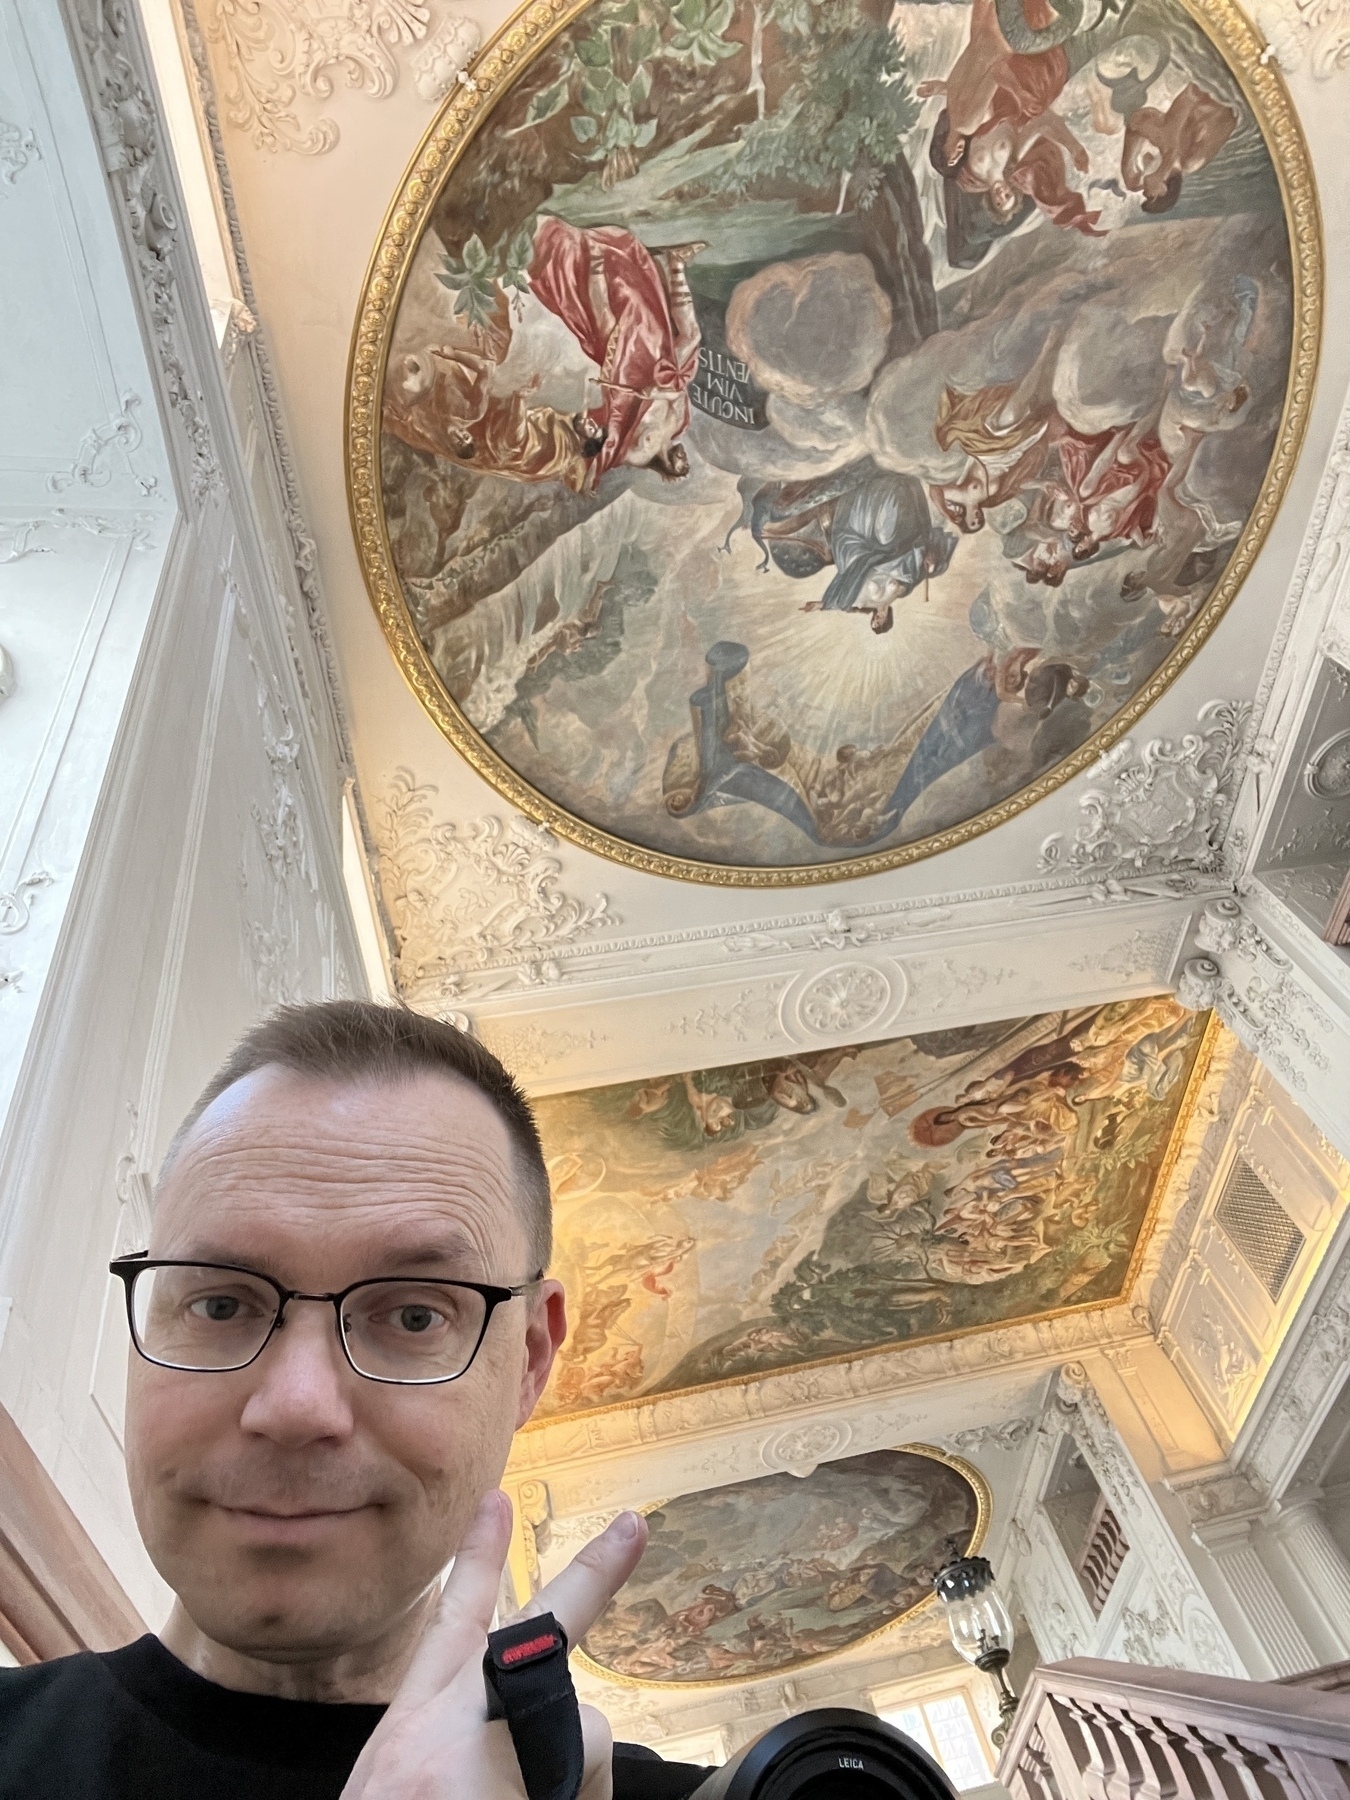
173,766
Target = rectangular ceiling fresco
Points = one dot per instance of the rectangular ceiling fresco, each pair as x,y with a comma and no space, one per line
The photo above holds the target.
724,1223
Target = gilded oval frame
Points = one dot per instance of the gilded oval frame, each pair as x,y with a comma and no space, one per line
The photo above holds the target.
984,1506
467,110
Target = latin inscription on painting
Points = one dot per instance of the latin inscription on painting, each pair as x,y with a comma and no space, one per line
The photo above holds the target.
806,423
725,1223
759,1577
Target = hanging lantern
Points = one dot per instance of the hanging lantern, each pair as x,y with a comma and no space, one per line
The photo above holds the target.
980,1624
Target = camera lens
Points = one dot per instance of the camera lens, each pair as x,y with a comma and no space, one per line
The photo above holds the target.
836,1786
832,1754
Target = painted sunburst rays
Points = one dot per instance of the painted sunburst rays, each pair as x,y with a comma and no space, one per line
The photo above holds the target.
720,1224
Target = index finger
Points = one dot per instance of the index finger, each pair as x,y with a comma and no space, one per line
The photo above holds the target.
458,1629
578,1596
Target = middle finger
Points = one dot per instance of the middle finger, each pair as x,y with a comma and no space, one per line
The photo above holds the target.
583,1590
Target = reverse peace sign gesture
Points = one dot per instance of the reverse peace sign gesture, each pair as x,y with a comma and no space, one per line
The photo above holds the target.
435,1742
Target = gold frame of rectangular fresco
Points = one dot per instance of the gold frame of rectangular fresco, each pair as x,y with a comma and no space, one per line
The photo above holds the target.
984,1507
467,109
1204,1055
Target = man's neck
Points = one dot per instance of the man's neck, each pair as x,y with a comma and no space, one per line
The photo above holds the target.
368,1674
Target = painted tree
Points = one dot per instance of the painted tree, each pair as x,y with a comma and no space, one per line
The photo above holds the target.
841,120
606,75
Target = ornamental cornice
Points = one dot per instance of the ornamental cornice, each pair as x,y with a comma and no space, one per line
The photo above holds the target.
733,1428
139,165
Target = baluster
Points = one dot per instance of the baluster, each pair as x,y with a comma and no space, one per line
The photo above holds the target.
1190,1775
1319,1777
1265,1766
1073,1754
1157,1771
1112,1760
1202,1757
1034,1776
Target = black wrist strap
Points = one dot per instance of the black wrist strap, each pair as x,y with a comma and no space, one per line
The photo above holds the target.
530,1686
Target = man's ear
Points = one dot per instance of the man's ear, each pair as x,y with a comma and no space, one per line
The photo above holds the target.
545,1330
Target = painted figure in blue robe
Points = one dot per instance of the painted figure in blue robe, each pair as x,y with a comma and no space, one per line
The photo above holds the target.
884,545
875,527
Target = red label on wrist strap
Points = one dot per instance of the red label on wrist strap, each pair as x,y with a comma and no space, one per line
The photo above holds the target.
529,1650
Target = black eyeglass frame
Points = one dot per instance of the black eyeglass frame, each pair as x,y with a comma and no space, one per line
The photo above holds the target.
127,1268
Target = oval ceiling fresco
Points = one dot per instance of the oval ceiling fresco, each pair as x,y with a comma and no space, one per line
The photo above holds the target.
788,436
759,1577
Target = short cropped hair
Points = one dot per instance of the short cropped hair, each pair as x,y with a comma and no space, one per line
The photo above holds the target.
362,1040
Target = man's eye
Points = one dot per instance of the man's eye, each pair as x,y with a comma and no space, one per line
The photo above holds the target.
218,1309
416,1318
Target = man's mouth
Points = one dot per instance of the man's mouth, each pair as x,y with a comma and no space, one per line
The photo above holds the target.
298,1512
288,1525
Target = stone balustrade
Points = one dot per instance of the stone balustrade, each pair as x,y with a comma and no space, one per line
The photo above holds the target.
1089,1730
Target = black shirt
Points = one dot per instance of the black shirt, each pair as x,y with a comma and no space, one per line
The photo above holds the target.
136,1724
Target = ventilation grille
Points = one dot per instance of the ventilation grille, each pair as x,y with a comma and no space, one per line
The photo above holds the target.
1258,1228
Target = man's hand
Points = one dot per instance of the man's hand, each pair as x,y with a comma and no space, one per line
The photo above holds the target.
435,1742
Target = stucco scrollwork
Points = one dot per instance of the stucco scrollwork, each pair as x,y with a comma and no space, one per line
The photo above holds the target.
133,1184
93,463
1215,1349
937,981
444,57
1140,951
279,52
1149,1635
1153,822
1232,1494
139,169
999,1434
532,1046
16,905
271,903
1257,991
18,538
18,148
1315,32
467,900
1062,1632
1327,775
752,1014
1316,1372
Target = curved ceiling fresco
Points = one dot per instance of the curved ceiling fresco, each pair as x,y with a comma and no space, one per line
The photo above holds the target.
761,1577
789,436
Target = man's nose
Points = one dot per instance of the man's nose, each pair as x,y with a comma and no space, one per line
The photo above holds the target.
302,1387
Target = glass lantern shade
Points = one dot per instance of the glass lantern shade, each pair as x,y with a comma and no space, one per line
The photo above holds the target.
977,1617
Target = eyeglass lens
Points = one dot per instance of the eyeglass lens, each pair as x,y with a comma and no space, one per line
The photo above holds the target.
196,1317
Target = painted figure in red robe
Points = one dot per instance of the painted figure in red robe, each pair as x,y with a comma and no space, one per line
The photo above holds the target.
632,313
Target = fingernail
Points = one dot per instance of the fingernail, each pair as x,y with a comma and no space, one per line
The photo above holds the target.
627,1525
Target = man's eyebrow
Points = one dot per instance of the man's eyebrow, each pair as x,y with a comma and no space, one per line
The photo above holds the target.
426,1253
452,1248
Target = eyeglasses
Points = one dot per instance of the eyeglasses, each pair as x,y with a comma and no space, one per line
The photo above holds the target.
218,1317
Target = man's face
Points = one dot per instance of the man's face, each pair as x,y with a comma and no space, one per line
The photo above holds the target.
297,1509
